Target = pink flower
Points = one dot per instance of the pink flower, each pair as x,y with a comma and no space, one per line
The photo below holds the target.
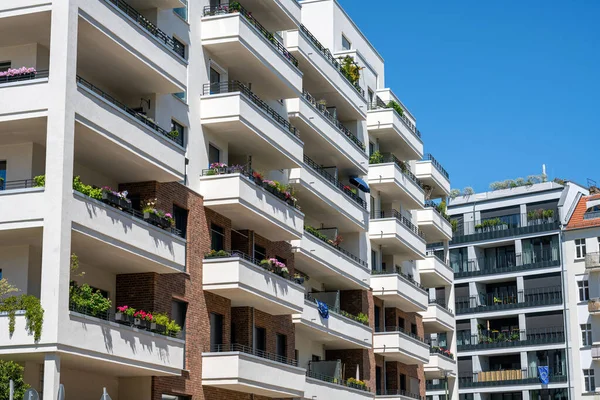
168,215
122,309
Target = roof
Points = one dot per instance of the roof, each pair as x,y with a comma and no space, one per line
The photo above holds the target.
577,221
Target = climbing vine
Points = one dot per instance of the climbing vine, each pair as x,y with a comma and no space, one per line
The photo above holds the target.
34,313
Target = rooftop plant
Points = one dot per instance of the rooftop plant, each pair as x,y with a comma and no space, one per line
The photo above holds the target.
393,104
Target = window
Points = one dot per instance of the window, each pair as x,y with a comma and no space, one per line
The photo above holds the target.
0,273
377,310
179,47
371,95
281,345
177,127
413,329
173,397
2,174
182,12
584,290
316,358
401,323
260,253
586,334
346,44
260,337
5,65
371,148
579,248
181,218
181,96
215,80
216,330
590,383
178,312
214,154
217,240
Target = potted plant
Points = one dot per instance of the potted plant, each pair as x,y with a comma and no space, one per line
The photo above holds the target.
258,177
299,278
157,217
322,105
140,319
124,315
116,199
159,324
173,135
548,215
376,158
284,272
535,217
217,253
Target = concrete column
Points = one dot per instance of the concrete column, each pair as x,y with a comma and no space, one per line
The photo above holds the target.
447,252
59,169
523,211
524,362
525,395
523,326
519,251
520,289
51,375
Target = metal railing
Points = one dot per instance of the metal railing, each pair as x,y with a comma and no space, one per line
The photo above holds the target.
402,331
379,214
486,339
436,207
236,7
25,77
363,263
333,120
239,348
508,377
442,304
591,215
486,302
404,167
149,27
336,381
244,256
377,103
592,260
326,52
135,114
344,188
435,350
398,271
18,184
509,262
436,164
429,385
399,392
335,309
237,86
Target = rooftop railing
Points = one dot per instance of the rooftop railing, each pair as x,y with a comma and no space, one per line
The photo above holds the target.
513,299
507,263
490,339
404,167
436,164
380,214
238,348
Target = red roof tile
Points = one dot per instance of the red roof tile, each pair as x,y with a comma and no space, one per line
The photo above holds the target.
577,221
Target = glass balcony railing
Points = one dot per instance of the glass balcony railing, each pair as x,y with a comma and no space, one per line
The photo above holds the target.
491,339
486,302
509,378
506,263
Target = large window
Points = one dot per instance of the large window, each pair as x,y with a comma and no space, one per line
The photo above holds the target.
590,382
180,129
579,248
214,154
281,345
5,65
216,330
260,253
584,290
181,219
346,44
217,241
2,174
178,312
260,337
586,334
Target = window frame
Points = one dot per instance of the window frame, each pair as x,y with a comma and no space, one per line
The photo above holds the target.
586,334
580,249
345,39
589,380
583,287
213,232
180,128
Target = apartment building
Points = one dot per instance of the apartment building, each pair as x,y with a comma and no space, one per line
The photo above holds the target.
237,170
510,307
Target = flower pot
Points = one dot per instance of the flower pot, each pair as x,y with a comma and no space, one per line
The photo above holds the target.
154,327
291,202
155,220
123,318
299,281
285,275
116,201
141,323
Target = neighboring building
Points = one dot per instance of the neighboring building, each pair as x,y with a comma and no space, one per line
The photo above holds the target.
506,257
212,114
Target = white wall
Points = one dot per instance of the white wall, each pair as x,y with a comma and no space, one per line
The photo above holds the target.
23,161
29,55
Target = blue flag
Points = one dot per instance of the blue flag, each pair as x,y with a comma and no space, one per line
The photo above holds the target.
323,309
543,373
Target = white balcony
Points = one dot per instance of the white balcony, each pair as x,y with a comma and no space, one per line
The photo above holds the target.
160,4
394,183
397,291
250,56
434,272
324,262
397,236
435,227
240,371
275,15
21,207
401,347
249,285
337,332
394,134
239,119
438,365
126,243
433,175
438,319
323,78
119,346
318,389
30,97
250,206
328,140
323,198
20,339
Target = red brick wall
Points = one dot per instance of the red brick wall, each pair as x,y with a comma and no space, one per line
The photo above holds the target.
353,357
394,369
275,324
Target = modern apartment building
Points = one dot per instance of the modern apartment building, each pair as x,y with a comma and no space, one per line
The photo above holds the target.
239,170
510,306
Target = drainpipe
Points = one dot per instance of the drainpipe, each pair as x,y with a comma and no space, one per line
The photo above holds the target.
565,318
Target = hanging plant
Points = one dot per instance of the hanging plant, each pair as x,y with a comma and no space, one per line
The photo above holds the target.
34,313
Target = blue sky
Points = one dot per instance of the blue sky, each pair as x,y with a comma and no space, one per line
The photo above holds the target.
498,87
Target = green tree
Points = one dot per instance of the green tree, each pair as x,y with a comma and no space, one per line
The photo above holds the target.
10,370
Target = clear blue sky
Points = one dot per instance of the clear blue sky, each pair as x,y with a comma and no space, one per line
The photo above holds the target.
498,87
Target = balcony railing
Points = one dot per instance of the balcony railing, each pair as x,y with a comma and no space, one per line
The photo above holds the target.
399,392
377,104
236,86
442,304
508,378
397,329
430,386
341,382
236,7
436,164
591,215
594,305
404,167
324,238
344,188
592,261
149,27
437,208
131,112
516,338
334,308
509,300
379,214
238,348
507,263
435,350
398,271
24,77
596,351
18,184
504,226
323,110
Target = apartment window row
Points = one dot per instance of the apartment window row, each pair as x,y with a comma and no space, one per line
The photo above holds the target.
590,382
584,290
586,334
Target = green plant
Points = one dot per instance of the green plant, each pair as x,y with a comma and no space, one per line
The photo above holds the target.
454,193
235,6
88,190
376,158
218,253
39,181
6,288
395,106
34,313
468,191
315,232
548,213
454,224
362,318
11,371
350,69
174,134
88,300
172,328
170,325
514,336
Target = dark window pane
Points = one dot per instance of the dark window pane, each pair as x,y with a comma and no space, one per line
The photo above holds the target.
217,237
281,344
216,329
260,253
178,312
214,154
181,217
260,336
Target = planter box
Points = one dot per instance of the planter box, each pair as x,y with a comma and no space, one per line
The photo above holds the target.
116,201
154,219
158,328
124,319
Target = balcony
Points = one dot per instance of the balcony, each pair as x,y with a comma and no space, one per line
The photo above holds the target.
503,227
160,4
326,137
433,224
316,256
249,125
488,340
594,306
119,346
508,378
319,386
395,344
508,264
492,302
21,204
394,180
339,330
596,352
247,370
276,15
397,235
438,317
439,364
432,174
399,291
323,76
398,395
250,52
25,93
325,198
394,131
434,271
592,262
242,280
250,203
